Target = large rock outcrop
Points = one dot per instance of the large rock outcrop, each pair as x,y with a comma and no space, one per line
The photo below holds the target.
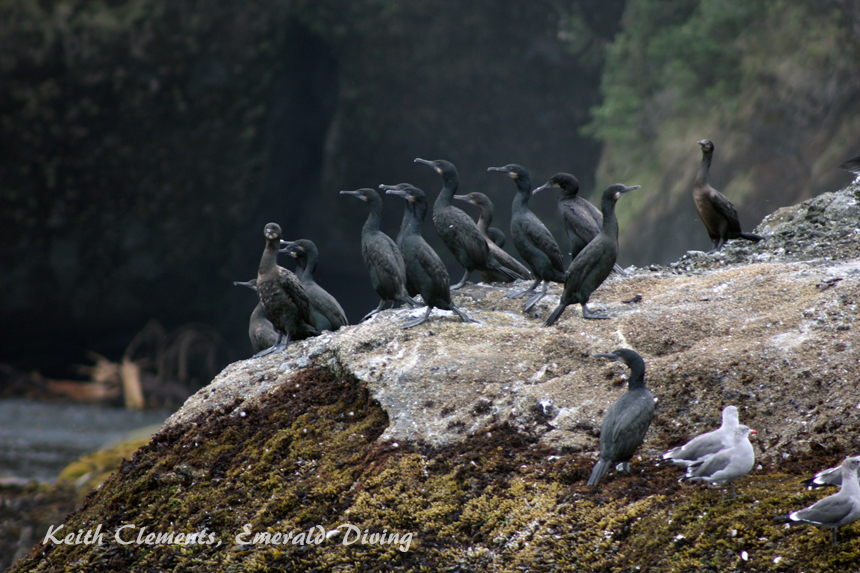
474,440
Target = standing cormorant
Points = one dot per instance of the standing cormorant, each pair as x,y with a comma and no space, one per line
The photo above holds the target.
261,331
626,420
326,312
381,255
485,208
717,213
706,444
533,241
836,510
458,231
424,268
727,465
282,295
593,263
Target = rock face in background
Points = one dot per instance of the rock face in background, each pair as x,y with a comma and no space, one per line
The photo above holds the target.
477,439
146,144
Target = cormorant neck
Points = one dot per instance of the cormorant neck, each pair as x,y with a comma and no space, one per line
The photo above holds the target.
610,222
452,181
307,266
524,191
702,175
637,374
484,219
417,211
374,218
269,259
569,191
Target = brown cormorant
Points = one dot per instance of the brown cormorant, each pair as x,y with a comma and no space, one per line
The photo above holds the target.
424,268
326,312
533,241
381,255
261,332
593,263
458,231
627,420
717,213
282,295
485,208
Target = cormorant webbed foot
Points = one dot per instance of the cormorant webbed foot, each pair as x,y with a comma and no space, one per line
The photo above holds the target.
592,315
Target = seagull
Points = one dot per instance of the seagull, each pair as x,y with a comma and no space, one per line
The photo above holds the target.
728,465
706,444
824,478
836,510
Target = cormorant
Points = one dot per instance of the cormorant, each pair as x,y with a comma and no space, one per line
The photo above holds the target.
326,312
282,295
381,255
458,231
424,268
261,331
533,241
627,420
485,207
485,217
593,263
706,444
717,213
727,465
582,220
836,510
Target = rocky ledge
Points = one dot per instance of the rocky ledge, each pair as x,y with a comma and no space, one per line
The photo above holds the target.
475,440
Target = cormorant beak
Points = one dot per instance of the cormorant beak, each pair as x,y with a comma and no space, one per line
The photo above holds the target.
541,188
426,162
629,189
387,187
462,198
702,143
395,191
496,169
250,284
610,356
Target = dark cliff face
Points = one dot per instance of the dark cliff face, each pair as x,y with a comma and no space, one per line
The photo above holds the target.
146,145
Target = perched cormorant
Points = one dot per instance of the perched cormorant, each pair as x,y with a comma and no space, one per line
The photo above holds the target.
533,241
582,220
836,510
593,263
829,477
424,268
717,213
485,208
727,465
706,444
260,329
381,255
282,295
326,312
626,420
458,231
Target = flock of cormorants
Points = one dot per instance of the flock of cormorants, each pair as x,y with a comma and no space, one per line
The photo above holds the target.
292,306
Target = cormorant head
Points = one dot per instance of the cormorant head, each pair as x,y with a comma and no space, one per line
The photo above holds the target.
251,284
564,181
624,355
365,194
406,190
300,248
615,191
444,168
272,232
513,171
707,146
478,199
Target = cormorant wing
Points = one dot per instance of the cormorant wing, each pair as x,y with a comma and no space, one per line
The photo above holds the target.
580,219
633,417
539,236
293,287
725,208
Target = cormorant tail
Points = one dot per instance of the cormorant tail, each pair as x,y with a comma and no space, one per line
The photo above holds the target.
752,237
600,469
555,314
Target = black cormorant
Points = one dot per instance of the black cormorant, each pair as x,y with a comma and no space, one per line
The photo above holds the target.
424,268
627,420
458,231
326,312
533,241
282,295
261,332
381,255
717,213
485,208
593,263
